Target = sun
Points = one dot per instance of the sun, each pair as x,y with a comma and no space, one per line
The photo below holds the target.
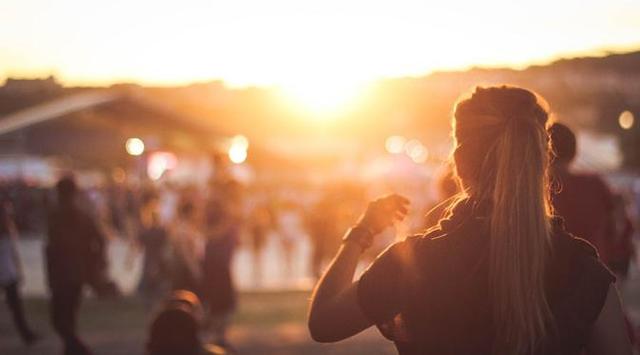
323,98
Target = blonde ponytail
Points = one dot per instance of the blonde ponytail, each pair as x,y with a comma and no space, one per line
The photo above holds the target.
519,240
502,157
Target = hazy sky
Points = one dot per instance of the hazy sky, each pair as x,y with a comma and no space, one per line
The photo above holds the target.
296,42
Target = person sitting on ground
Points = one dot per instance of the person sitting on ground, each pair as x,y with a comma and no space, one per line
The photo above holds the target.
499,275
174,330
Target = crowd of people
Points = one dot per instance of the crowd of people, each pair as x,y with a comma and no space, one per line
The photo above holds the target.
185,235
490,211
193,254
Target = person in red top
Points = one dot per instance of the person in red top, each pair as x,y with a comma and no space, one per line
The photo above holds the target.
586,203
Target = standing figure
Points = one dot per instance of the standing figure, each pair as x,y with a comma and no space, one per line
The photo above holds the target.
11,273
75,257
623,251
289,227
153,238
584,201
259,226
223,226
188,248
325,237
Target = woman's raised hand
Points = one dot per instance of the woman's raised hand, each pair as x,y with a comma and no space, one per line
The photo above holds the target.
382,212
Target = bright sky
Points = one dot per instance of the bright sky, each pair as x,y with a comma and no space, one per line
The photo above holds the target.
294,43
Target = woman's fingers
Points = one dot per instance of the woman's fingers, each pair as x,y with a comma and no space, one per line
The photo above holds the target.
384,211
394,208
403,209
399,203
400,216
401,199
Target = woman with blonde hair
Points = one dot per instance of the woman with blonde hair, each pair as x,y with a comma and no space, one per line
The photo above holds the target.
498,275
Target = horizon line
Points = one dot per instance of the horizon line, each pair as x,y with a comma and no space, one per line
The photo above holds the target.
602,52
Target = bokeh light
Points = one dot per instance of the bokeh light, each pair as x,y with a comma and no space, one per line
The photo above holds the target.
159,163
238,149
134,146
237,155
395,144
416,151
626,120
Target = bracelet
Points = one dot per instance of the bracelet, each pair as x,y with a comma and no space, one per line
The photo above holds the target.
360,235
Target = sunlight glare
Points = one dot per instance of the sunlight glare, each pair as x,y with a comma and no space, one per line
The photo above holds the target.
322,99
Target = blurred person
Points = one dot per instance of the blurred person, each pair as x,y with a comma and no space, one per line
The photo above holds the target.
499,276
187,243
123,208
153,239
168,203
25,206
116,206
174,330
259,226
325,237
584,201
336,205
75,253
223,224
222,168
636,203
96,202
622,251
288,220
11,274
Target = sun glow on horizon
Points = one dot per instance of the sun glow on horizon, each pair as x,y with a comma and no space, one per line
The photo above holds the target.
294,45
325,98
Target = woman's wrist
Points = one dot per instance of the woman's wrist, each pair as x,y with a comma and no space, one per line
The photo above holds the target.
352,247
359,235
